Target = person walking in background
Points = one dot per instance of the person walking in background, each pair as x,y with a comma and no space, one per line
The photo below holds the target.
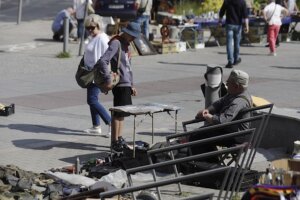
79,7
249,4
283,27
292,7
58,23
144,15
96,47
236,12
272,15
123,91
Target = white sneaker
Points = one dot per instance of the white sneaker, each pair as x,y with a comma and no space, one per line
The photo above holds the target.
107,135
97,131
94,130
272,54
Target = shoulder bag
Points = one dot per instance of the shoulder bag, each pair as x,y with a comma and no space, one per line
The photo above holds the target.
114,76
83,76
269,19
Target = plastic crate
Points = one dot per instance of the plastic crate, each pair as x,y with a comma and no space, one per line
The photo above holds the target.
8,110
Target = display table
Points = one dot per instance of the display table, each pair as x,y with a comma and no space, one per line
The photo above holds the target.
145,109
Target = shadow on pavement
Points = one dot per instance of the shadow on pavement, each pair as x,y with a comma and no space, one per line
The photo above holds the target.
34,128
40,144
283,67
196,64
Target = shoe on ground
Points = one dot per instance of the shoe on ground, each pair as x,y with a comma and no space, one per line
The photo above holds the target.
238,61
117,146
93,130
97,131
229,65
272,54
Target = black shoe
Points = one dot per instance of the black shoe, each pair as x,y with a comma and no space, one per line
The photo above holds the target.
56,37
117,146
238,61
229,65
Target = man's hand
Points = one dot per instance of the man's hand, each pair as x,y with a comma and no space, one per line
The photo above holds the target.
201,113
208,117
220,22
246,30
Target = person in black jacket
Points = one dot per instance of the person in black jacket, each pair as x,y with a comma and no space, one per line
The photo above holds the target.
236,14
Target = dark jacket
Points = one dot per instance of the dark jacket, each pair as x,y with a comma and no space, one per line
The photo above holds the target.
236,11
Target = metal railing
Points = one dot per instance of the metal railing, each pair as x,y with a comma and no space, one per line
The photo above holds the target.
157,184
185,159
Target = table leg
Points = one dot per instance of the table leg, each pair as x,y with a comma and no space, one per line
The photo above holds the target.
176,112
152,128
134,129
111,114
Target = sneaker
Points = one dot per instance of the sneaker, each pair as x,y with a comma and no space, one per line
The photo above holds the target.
94,130
272,54
107,135
117,146
229,65
238,61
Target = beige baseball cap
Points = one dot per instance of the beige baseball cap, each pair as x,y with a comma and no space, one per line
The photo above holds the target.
240,77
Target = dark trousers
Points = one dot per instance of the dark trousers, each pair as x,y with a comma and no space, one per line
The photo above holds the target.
211,146
58,35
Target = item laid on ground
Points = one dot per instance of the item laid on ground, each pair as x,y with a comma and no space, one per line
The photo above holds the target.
7,110
262,192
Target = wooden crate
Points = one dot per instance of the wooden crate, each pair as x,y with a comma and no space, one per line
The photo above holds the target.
165,47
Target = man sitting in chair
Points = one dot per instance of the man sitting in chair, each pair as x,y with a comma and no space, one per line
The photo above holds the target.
226,109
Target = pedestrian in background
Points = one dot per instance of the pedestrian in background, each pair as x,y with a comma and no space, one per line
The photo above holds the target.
236,12
292,7
96,47
123,91
249,4
58,23
144,15
272,14
79,7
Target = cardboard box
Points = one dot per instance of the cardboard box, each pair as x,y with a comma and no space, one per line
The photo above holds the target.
287,164
291,171
165,47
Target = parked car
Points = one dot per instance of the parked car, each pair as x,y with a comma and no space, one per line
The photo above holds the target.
123,9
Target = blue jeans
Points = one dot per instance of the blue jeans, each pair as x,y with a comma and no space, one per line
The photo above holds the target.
97,110
80,27
143,20
233,35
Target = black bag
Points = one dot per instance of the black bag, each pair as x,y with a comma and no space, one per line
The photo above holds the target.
142,7
84,77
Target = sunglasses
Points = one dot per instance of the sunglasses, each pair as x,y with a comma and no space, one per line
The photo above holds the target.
91,28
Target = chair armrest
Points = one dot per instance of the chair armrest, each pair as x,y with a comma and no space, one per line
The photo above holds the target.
193,121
